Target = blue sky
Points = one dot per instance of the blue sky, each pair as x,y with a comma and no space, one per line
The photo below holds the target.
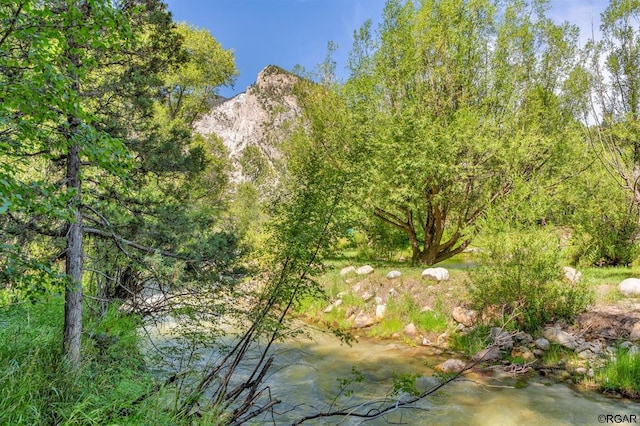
296,32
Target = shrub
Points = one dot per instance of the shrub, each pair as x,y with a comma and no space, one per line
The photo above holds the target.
520,278
606,239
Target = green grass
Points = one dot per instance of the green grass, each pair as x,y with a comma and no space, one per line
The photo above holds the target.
621,374
39,388
386,328
471,343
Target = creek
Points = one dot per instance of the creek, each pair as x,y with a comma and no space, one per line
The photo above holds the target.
306,371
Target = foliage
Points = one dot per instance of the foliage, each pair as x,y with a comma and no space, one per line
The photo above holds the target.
520,280
613,115
604,229
455,105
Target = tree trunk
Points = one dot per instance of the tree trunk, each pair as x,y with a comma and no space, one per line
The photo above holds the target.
73,266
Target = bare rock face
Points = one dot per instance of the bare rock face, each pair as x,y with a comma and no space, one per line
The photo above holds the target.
258,118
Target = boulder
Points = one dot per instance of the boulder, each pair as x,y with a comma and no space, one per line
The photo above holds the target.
410,330
523,338
630,287
555,335
571,274
466,317
380,311
367,295
436,274
362,320
524,353
542,344
364,270
394,274
451,366
347,270
443,340
501,339
490,354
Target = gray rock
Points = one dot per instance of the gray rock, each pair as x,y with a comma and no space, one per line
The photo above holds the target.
523,338
394,274
347,270
461,328
542,344
490,354
367,295
364,270
555,335
630,287
452,366
581,370
464,316
586,354
378,300
436,274
501,339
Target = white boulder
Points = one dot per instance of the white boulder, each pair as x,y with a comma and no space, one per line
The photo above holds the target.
380,311
394,274
364,270
452,366
436,274
630,287
347,270
555,335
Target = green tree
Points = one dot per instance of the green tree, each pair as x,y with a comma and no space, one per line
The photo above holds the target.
85,154
613,112
457,105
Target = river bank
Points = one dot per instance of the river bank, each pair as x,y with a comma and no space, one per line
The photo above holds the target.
399,304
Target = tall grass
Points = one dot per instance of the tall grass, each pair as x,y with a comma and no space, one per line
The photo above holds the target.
39,388
621,374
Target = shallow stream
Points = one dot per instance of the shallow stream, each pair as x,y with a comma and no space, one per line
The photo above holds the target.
306,371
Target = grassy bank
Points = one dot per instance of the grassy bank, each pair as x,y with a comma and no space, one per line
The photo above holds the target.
38,388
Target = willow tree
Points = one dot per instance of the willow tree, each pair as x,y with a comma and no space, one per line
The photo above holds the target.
457,103
614,115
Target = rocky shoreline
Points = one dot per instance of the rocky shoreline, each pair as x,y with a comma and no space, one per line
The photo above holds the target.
581,348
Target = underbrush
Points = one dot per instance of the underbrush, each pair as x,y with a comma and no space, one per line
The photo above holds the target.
39,388
521,278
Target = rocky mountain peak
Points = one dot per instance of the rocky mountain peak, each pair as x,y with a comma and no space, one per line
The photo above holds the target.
254,122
